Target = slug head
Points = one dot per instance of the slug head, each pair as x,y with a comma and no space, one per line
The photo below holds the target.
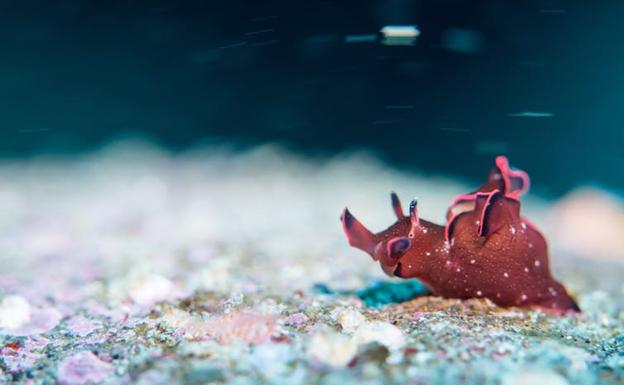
400,243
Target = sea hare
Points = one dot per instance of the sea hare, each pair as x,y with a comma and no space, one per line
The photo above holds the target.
486,249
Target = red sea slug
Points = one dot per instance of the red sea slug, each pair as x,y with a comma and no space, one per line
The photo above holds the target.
485,250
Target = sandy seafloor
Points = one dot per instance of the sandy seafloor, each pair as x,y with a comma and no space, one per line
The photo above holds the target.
134,266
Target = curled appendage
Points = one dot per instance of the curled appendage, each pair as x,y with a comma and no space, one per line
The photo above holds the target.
511,183
485,227
494,211
414,218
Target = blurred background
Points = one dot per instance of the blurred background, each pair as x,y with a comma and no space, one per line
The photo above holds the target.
172,173
538,80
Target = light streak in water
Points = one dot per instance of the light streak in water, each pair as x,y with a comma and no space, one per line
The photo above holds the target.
532,114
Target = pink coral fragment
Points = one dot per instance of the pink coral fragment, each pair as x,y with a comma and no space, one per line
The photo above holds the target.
81,326
83,368
241,327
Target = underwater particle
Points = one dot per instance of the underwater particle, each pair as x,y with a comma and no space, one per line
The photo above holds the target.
531,114
350,319
472,231
83,368
399,34
14,312
462,40
332,349
384,333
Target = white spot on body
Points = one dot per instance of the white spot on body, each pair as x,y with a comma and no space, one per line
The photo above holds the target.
523,225
523,297
458,269
537,263
530,245
479,293
506,274
552,291
427,253
472,261
513,230
526,269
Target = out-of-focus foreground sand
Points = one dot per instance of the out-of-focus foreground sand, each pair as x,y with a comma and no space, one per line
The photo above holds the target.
153,268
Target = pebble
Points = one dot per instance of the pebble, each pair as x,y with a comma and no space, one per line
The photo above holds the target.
331,348
14,312
148,289
350,320
297,319
381,332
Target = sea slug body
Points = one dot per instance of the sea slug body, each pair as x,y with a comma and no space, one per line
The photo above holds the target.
486,249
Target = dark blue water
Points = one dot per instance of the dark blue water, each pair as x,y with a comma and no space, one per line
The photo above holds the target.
541,81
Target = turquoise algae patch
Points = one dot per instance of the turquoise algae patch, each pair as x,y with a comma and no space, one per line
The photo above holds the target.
382,293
